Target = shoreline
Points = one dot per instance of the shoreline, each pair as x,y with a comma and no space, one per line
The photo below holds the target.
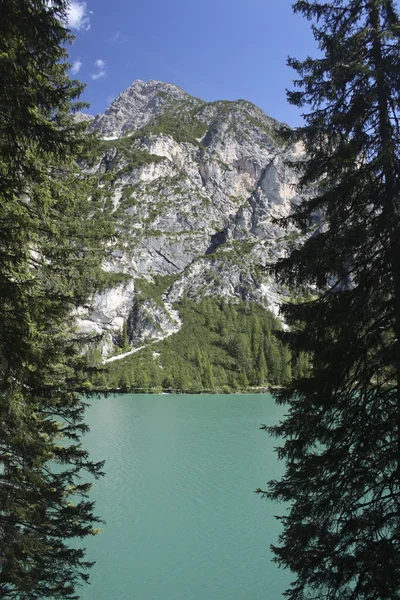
175,392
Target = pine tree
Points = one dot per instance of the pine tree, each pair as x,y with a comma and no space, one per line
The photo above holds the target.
286,370
342,436
274,360
52,231
262,369
242,353
125,338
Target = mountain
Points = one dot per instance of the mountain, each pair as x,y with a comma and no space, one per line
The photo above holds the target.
196,187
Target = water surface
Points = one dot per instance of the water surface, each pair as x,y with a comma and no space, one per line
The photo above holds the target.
183,521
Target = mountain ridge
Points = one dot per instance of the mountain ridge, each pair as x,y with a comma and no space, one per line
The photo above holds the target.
195,187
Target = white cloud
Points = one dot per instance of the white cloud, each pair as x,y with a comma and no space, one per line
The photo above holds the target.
100,65
98,75
76,65
78,16
118,38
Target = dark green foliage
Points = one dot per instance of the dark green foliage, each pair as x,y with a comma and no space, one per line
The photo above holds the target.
110,278
234,251
124,338
154,290
53,228
163,95
342,434
137,159
220,345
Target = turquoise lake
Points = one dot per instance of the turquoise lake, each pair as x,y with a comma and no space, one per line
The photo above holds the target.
182,519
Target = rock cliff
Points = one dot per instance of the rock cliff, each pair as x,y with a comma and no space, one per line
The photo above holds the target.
196,187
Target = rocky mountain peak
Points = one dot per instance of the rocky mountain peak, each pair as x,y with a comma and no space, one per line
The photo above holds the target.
138,105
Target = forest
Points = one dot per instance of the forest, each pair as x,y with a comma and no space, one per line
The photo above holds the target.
221,346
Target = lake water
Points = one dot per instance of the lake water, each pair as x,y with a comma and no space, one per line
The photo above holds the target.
183,521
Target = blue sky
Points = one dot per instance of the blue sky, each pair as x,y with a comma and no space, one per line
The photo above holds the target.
213,49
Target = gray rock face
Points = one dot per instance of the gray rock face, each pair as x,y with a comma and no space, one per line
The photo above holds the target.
195,187
83,117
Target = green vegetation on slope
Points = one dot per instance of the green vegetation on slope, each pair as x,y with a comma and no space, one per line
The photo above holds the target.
154,290
128,153
220,347
181,126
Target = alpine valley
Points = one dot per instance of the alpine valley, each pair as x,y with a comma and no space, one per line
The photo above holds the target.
196,189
